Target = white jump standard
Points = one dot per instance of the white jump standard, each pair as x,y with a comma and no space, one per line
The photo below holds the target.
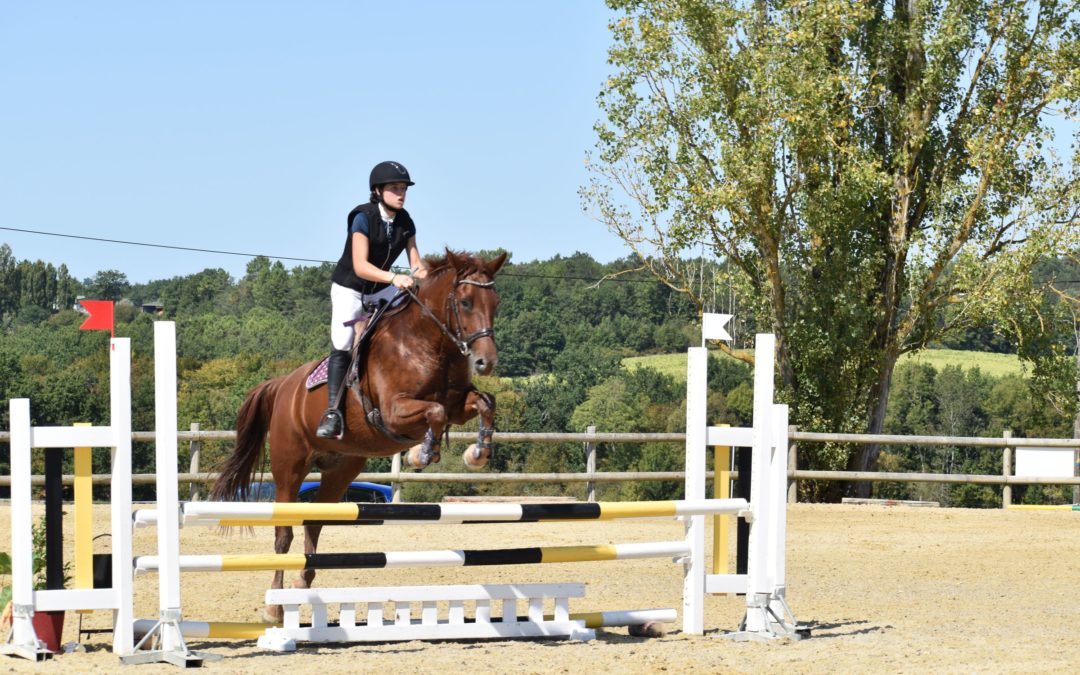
25,600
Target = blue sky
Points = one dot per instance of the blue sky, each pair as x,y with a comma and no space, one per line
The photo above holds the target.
252,126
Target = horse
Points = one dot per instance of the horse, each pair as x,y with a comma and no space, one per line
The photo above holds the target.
415,379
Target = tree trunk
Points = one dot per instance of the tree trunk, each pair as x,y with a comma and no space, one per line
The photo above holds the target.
865,457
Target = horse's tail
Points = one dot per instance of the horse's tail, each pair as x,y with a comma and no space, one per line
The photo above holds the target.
252,423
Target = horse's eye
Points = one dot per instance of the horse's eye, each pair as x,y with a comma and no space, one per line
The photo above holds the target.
466,303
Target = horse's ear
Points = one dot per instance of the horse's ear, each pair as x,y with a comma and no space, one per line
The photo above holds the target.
493,266
455,261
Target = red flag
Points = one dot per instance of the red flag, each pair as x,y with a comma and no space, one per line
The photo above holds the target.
101,315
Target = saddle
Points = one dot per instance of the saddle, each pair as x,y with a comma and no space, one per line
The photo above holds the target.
317,377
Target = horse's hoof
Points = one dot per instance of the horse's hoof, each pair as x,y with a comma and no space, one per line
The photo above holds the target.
473,459
413,458
272,615
651,629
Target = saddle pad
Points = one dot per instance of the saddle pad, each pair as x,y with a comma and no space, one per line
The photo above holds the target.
318,376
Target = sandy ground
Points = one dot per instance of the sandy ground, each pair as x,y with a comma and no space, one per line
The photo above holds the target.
885,590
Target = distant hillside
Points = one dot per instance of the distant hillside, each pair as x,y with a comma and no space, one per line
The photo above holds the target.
995,365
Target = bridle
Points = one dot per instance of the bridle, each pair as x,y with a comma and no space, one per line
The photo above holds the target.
462,343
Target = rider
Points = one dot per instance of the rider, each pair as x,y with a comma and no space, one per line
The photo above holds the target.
378,232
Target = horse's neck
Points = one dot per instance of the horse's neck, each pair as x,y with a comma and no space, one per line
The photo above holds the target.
415,327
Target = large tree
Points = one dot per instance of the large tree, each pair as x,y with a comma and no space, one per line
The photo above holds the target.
878,174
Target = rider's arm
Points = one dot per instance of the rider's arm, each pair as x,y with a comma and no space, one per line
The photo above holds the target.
365,270
416,264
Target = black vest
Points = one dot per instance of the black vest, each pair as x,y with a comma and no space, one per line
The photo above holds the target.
383,250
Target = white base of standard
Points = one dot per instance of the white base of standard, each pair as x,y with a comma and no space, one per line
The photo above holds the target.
386,625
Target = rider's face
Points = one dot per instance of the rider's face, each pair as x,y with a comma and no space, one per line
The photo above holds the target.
393,194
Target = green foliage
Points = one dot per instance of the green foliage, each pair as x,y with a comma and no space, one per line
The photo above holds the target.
582,354
5,570
877,177
37,564
954,402
107,285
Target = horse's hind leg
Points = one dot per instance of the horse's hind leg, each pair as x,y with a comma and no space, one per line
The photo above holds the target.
288,473
337,472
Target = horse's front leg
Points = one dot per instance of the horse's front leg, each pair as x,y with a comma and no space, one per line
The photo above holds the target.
406,412
483,404
311,545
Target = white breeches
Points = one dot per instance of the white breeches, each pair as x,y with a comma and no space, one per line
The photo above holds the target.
347,306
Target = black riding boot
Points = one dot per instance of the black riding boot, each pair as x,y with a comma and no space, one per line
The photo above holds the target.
332,424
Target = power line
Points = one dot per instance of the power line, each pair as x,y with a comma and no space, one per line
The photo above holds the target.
150,245
283,257
320,262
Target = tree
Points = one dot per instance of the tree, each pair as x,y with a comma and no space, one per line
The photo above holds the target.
9,281
107,285
66,288
877,175
269,284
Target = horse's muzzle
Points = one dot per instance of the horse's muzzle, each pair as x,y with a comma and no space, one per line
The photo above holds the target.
482,364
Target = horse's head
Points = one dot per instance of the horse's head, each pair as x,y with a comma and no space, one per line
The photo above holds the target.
468,285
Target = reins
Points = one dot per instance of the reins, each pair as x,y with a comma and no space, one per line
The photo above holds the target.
462,343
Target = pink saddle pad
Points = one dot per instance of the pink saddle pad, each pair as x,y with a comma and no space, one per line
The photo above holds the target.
318,375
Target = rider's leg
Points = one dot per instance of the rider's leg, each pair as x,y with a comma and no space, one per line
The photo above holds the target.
346,304
332,424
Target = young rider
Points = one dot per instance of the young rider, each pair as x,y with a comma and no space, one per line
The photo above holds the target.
378,232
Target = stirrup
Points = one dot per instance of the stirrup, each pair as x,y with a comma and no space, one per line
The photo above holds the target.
331,425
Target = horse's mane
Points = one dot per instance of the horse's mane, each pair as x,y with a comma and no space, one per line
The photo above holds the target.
439,264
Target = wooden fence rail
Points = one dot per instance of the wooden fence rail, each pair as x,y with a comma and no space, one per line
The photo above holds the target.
591,439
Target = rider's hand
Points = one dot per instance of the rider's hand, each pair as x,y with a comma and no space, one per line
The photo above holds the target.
402,281
420,271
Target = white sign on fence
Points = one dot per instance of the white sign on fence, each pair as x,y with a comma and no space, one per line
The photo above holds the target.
1049,462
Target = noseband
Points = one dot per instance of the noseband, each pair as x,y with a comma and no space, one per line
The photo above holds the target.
462,343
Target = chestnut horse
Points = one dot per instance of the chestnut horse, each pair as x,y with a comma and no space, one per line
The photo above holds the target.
416,379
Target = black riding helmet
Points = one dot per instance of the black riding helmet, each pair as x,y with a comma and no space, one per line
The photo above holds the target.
388,172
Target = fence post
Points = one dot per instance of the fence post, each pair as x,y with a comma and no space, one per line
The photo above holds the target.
395,472
1076,471
1006,469
196,449
792,465
590,465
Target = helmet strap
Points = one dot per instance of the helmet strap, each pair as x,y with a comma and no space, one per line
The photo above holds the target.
382,202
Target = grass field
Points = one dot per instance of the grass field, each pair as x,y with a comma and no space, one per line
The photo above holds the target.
995,365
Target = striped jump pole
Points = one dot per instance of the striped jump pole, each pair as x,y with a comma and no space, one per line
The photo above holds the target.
228,514
398,559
